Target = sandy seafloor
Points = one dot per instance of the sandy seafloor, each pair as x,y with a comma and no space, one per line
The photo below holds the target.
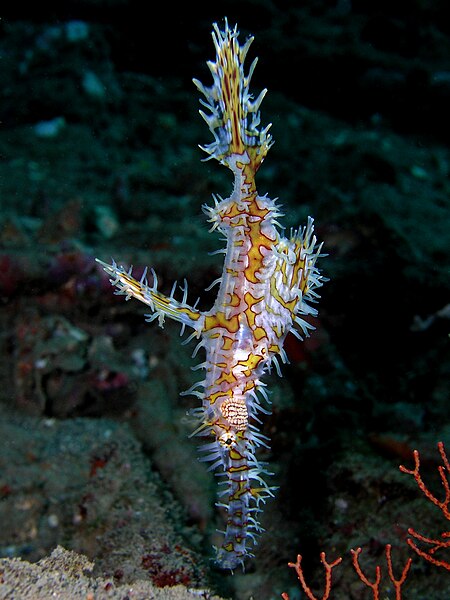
101,493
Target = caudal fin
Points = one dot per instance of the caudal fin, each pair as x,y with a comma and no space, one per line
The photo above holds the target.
233,116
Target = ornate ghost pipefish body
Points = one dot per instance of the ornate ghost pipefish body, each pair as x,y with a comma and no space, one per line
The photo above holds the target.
266,287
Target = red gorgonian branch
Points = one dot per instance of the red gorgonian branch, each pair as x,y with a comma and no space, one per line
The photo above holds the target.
443,505
375,586
428,554
328,568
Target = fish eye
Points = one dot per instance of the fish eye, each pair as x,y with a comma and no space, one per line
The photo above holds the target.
227,439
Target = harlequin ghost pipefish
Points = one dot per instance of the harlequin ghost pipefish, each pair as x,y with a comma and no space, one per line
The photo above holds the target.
267,285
